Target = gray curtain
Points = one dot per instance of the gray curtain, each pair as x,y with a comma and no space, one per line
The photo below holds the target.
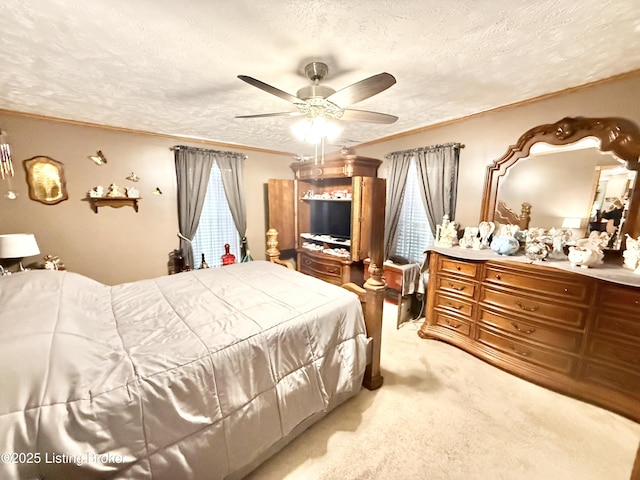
396,183
437,168
193,167
438,175
231,167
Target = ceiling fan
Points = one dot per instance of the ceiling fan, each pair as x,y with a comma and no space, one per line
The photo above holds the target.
318,100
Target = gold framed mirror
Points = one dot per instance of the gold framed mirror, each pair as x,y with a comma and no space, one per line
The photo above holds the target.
45,177
614,141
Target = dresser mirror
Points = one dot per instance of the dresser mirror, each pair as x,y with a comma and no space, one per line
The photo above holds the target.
574,172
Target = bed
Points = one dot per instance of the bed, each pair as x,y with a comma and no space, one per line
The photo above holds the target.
202,374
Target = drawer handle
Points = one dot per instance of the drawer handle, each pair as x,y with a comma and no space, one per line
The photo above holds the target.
527,331
457,307
519,352
458,267
451,285
453,325
524,307
498,277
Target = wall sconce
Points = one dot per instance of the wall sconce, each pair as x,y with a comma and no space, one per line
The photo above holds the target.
98,158
16,246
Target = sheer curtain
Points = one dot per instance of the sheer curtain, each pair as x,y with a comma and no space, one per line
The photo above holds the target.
193,168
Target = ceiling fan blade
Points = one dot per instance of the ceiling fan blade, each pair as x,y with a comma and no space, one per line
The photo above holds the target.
269,89
363,89
280,114
352,115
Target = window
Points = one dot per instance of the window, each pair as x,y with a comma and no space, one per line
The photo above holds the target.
414,231
216,225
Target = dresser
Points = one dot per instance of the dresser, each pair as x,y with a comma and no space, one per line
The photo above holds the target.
574,330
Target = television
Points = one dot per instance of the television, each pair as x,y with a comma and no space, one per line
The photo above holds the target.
330,217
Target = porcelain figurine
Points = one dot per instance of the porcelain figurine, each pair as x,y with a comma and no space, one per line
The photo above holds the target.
446,233
584,257
96,192
114,191
469,237
485,229
588,251
559,238
505,245
631,254
536,251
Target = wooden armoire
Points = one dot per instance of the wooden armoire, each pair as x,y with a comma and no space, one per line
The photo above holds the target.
331,214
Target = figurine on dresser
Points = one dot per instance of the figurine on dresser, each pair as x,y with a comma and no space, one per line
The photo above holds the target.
446,233
588,251
631,254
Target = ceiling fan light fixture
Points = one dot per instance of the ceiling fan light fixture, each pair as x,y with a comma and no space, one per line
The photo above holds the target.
315,129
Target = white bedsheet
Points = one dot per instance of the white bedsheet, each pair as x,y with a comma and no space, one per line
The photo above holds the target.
192,375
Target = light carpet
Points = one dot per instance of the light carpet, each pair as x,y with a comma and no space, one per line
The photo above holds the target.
444,414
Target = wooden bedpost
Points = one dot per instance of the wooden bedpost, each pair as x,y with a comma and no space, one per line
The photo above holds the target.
374,296
273,254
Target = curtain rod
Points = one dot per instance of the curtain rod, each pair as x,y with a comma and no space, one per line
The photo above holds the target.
425,149
207,150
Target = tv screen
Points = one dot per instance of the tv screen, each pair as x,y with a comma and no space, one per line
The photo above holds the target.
331,218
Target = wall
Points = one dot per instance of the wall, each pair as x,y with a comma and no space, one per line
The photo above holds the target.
114,245
487,136
118,245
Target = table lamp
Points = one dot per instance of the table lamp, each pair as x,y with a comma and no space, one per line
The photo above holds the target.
570,223
16,246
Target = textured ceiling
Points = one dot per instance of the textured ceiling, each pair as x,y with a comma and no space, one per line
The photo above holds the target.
171,66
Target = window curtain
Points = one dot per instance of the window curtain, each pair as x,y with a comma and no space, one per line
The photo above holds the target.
396,183
437,168
232,169
193,168
438,178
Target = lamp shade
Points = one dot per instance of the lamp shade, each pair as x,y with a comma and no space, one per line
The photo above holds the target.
571,222
18,245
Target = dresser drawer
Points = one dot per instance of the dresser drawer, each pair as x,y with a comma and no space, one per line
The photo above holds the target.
617,323
536,308
327,270
449,265
457,286
452,322
626,355
558,284
525,351
567,340
614,378
620,297
453,304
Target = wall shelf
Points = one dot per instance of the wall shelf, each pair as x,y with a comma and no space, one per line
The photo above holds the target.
115,202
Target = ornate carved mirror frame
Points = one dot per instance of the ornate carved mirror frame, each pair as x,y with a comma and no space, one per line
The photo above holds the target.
616,135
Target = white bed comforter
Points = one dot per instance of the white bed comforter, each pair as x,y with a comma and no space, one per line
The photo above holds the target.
192,375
